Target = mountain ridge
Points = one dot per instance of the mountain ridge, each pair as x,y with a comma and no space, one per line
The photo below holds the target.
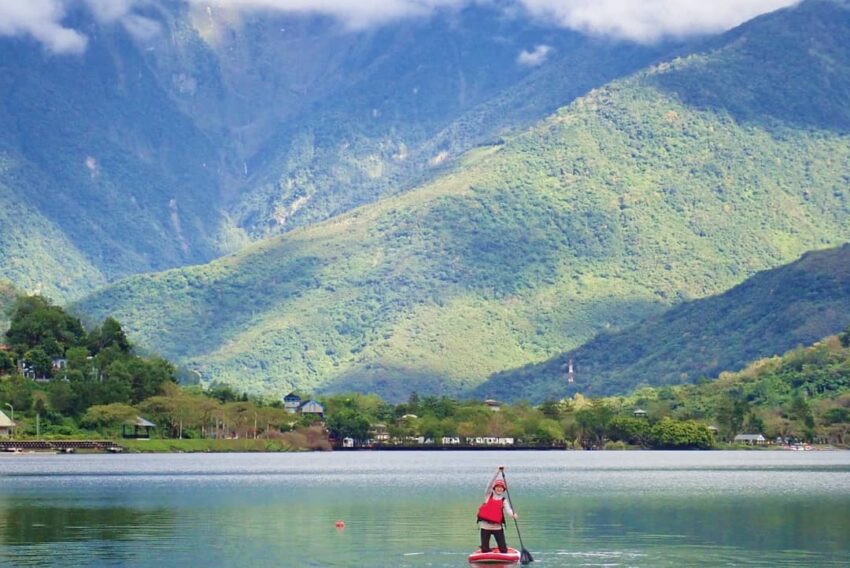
770,313
613,209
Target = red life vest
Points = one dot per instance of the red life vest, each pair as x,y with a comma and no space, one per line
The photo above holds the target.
492,511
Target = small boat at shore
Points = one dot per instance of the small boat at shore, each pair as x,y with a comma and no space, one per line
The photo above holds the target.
494,557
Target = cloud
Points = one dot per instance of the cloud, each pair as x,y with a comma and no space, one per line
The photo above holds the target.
121,11
110,10
646,21
534,58
355,14
642,21
41,19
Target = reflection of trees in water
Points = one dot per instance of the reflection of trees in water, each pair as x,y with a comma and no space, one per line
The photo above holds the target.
768,523
23,524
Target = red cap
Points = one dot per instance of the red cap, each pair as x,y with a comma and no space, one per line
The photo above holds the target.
499,483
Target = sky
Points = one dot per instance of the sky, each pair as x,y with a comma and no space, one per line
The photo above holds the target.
641,21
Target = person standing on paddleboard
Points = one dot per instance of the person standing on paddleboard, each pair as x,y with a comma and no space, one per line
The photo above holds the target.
494,511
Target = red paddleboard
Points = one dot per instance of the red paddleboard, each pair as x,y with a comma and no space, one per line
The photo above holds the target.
494,556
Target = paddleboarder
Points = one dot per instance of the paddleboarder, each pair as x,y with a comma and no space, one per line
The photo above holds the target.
494,511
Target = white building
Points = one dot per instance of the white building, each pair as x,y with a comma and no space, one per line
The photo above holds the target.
6,425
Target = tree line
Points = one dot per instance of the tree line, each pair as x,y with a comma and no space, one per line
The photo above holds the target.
75,382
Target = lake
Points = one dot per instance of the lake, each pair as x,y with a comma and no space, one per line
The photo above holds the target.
417,509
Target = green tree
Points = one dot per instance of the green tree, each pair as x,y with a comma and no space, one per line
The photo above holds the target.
593,421
551,409
348,423
111,335
730,412
628,429
36,323
17,391
672,434
61,397
108,415
7,363
38,363
844,337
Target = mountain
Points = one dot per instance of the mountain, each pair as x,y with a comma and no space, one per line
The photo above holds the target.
768,314
636,197
220,126
102,175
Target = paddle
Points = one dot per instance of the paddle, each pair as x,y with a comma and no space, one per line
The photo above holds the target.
525,555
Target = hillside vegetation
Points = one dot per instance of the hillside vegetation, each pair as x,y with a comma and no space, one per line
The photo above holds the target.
769,314
628,201
803,394
143,154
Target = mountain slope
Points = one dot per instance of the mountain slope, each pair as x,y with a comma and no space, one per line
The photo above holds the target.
146,153
768,314
101,175
623,203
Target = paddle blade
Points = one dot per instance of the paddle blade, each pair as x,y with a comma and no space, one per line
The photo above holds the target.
525,557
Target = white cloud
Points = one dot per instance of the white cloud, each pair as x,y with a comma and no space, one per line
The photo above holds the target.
646,21
140,27
353,13
635,20
121,11
534,58
110,10
41,19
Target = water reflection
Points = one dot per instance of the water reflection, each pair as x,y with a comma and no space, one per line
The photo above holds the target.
28,524
415,510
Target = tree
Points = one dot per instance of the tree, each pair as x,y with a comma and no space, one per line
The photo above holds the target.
77,358
61,397
17,391
36,323
753,423
551,409
593,420
730,413
111,335
38,362
108,414
672,434
628,429
548,431
844,337
348,423
7,363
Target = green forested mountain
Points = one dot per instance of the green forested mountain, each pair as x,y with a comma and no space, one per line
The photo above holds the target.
769,314
219,126
644,193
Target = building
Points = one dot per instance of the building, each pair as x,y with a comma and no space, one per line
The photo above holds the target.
137,428
291,403
750,439
639,413
490,441
314,408
379,433
6,425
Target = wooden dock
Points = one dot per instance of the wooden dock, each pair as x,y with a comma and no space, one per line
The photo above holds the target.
60,446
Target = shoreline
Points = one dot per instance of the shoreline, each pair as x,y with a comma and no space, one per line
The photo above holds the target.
168,446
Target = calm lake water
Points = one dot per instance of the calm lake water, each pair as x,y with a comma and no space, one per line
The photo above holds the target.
416,509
